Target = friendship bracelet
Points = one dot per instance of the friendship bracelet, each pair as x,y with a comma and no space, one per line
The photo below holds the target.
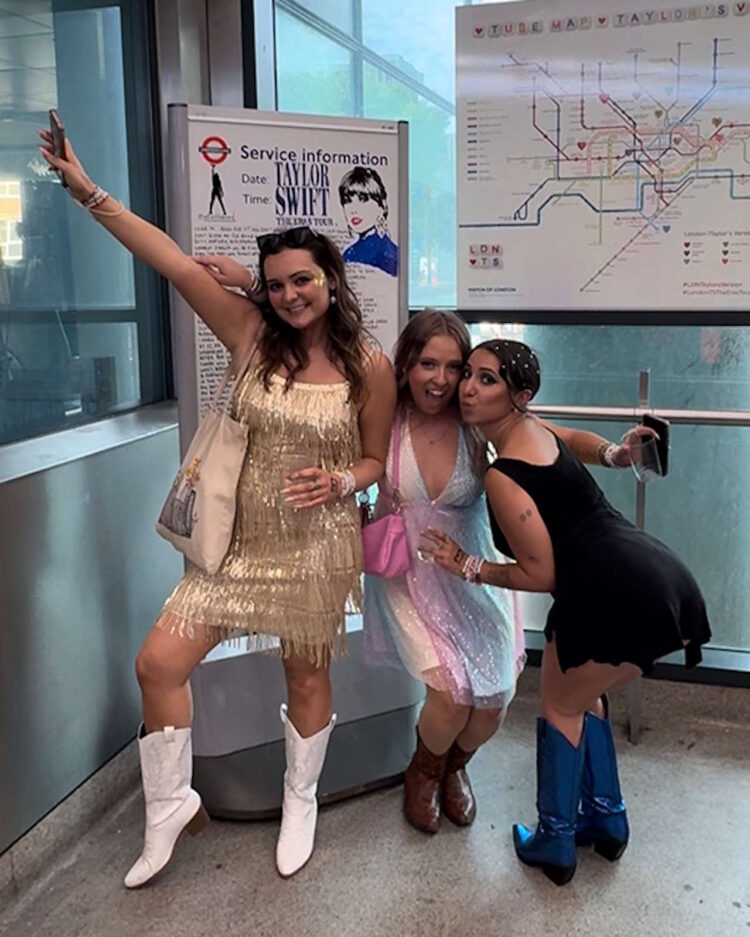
347,483
109,214
472,569
95,198
256,292
605,454
609,454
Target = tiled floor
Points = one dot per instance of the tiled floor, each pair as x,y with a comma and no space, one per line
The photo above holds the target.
686,872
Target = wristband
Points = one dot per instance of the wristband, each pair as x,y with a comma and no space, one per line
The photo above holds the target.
472,569
95,199
605,454
256,293
347,483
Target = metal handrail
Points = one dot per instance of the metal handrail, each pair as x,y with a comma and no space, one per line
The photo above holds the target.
694,417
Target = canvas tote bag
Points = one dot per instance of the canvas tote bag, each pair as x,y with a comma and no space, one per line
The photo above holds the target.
198,515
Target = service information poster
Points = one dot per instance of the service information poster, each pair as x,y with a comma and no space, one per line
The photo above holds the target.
603,155
255,173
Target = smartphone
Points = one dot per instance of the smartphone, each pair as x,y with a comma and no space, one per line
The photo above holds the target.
58,138
661,448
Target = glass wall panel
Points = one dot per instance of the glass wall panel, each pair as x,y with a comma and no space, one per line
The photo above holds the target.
421,46
339,13
432,210
692,367
314,75
78,337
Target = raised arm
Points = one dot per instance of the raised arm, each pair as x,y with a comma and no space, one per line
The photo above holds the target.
233,319
597,450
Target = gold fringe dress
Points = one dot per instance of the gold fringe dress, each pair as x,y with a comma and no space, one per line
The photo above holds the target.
288,573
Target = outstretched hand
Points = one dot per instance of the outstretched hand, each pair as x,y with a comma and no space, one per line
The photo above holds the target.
75,175
631,444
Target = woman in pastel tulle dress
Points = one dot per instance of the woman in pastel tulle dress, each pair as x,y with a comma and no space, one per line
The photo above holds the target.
462,640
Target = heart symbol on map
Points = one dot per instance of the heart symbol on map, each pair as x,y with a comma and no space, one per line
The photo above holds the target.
604,98
687,243
724,253
666,228
472,261
725,260
658,112
479,30
686,253
581,144
686,261
716,121
725,243
602,20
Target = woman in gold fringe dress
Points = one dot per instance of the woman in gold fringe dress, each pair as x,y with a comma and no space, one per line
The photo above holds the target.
318,404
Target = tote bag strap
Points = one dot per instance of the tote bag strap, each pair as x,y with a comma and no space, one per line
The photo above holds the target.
228,374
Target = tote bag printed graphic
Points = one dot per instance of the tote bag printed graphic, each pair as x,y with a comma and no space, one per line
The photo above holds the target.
178,514
198,515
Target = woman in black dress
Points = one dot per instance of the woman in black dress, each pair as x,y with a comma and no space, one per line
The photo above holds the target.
622,600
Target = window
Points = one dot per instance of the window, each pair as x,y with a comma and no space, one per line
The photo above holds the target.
80,329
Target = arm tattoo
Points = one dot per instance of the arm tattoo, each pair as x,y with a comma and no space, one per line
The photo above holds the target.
459,555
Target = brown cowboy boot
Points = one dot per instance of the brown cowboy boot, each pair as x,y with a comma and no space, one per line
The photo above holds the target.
422,788
457,796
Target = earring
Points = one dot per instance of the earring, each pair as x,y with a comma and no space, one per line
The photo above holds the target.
332,298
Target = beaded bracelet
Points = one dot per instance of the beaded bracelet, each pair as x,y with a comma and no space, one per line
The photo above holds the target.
256,293
95,199
472,569
92,202
605,454
347,483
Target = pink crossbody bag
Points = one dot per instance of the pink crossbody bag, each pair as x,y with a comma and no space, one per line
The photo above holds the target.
385,549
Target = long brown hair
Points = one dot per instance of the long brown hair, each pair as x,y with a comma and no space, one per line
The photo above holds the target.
279,343
411,342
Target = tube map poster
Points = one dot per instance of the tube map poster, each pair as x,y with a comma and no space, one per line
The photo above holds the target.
603,155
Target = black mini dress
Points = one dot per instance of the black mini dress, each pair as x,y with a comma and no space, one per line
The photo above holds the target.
621,596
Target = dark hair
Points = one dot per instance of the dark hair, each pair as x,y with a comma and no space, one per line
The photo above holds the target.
518,364
411,342
362,179
279,343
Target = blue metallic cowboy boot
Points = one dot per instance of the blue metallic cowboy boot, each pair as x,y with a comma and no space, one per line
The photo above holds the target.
602,818
551,846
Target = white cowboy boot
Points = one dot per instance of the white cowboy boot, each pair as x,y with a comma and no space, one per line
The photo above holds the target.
299,812
171,804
